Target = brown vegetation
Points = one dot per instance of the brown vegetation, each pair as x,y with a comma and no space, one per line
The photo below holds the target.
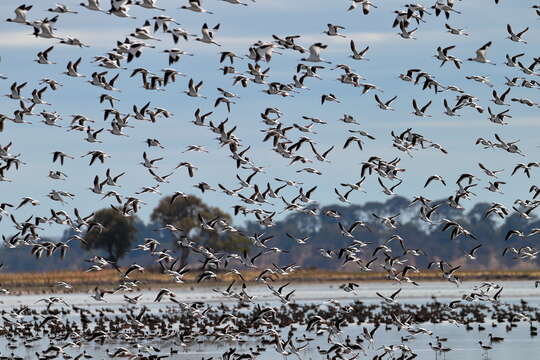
82,281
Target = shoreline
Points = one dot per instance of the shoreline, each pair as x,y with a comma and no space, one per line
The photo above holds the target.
42,283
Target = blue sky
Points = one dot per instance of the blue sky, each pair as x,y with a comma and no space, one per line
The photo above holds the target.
240,27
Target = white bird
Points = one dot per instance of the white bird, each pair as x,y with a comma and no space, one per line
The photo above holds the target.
389,299
472,253
385,105
492,173
193,90
333,30
421,112
386,190
516,37
62,9
160,178
144,32
44,28
329,98
366,5
499,100
406,33
208,35
42,56
195,5
178,33
358,55
57,175
20,14
451,111
122,9
97,188
15,93
99,294
299,241
93,5
512,61
149,163
236,2
343,198
481,55
495,186
91,135
315,53
72,68
149,4
455,31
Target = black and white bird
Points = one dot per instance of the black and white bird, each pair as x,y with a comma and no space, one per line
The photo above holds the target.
208,34
358,55
385,105
42,56
315,53
516,37
481,54
421,112
195,6
193,89
389,299
333,30
20,15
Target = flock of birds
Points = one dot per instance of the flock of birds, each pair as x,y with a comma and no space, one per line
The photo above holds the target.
233,331
294,143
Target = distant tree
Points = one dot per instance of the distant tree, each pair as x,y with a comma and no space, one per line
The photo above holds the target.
116,236
185,214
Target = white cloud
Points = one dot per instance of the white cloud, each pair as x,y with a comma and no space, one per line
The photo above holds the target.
24,38
307,39
19,39
361,37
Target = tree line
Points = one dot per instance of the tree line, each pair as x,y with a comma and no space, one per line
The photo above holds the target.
176,222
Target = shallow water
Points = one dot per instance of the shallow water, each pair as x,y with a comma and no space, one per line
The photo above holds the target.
464,343
513,291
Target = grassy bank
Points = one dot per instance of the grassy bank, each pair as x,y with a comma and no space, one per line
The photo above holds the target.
83,281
